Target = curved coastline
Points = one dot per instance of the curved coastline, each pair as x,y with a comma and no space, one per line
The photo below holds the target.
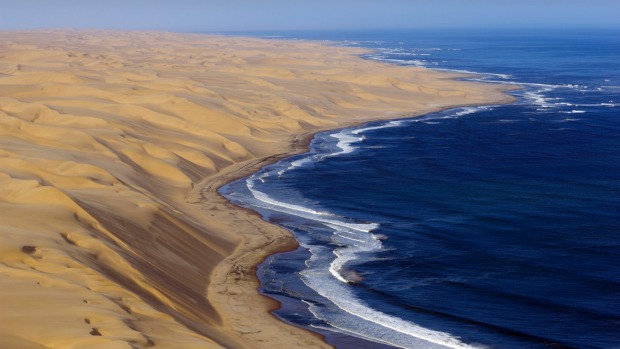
230,312
276,239
249,257
241,266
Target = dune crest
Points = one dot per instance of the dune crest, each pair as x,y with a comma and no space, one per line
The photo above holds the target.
112,146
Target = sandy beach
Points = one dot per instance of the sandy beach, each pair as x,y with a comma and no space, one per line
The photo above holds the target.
112,148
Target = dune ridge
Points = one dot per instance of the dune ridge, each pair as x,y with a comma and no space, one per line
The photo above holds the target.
112,146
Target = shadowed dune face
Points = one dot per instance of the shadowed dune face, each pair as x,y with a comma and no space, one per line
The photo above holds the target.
105,141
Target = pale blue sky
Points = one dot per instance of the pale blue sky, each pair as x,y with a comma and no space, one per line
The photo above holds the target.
208,15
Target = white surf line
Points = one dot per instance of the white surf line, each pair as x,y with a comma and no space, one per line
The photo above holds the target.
344,255
347,137
335,328
341,297
345,140
305,212
349,252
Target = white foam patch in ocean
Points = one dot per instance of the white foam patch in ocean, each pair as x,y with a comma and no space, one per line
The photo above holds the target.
537,98
574,112
434,49
394,123
346,138
299,163
534,84
353,243
455,113
328,273
409,62
468,110
536,94
304,212
486,75
609,104
348,313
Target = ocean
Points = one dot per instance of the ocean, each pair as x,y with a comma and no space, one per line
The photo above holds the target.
477,227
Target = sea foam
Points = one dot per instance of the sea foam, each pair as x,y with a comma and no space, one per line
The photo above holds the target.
349,314
330,276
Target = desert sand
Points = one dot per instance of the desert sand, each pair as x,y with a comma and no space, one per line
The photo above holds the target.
112,147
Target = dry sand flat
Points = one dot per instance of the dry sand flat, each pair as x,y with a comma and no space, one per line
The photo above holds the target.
112,146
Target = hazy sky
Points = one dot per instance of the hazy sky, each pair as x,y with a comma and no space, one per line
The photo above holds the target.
209,15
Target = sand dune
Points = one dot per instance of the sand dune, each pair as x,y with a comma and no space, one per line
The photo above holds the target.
112,146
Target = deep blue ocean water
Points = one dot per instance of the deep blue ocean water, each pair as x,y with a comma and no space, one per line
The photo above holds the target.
495,226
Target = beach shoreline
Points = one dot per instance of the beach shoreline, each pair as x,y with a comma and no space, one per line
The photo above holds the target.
120,142
286,241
